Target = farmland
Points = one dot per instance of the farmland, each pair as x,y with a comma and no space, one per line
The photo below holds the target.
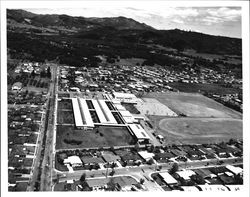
103,136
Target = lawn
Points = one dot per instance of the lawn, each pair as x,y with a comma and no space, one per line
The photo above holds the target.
65,117
198,130
67,137
194,105
65,104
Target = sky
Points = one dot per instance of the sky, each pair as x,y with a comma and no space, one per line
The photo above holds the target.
223,21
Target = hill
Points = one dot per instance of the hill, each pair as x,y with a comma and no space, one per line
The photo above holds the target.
69,39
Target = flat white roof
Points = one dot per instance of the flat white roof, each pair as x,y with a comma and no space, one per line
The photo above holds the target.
139,131
146,155
128,119
77,113
168,178
99,111
185,174
119,107
235,170
124,95
107,113
73,160
126,113
85,112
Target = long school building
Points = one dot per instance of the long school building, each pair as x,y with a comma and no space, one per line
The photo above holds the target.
91,113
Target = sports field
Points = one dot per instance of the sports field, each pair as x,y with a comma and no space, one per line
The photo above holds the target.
151,106
194,105
198,130
105,136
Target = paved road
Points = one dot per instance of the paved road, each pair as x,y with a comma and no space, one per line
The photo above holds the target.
46,174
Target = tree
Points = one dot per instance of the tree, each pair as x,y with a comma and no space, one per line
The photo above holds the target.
179,45
142,181
174,168
111,184
150,161
112,172
48,72
83,178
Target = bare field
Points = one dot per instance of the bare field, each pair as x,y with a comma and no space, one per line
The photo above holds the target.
152,106
198,130
105,136
194,105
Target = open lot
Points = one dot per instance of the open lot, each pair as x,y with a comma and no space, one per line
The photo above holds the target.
194,105
198,130
68,137
152,106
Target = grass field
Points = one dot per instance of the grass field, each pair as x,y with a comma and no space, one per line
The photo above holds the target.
65,117
198,130
65,112
194,105
67,137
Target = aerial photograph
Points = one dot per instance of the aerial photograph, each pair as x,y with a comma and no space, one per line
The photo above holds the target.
126,98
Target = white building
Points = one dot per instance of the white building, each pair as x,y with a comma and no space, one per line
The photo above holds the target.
167,178
185,174
73,161
139,132
77,114
17,86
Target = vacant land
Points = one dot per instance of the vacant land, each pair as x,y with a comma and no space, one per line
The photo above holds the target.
68,137
194,105
151,106
198,130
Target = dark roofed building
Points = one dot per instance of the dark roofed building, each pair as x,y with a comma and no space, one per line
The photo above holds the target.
108,157
92,160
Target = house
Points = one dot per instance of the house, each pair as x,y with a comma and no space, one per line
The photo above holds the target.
110,158
205,173
164,156
177,152
91,160
234,170
146,155
168,179
185,174
17,86
73,161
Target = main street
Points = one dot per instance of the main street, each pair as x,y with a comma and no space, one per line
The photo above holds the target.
47,165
